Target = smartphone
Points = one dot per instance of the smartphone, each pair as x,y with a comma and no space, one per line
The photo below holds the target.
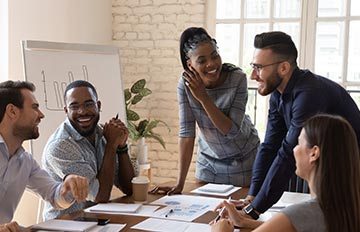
100,221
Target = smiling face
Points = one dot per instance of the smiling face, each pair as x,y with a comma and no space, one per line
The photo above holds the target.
82,109
267,77
206,60
303,157
27,125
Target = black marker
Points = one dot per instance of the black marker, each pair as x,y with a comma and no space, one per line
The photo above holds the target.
117,116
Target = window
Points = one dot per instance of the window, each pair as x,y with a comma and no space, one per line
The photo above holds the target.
326,33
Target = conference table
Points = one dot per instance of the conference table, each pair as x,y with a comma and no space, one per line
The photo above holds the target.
130,220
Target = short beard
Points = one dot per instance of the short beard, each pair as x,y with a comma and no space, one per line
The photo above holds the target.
271,86
87,132
26,133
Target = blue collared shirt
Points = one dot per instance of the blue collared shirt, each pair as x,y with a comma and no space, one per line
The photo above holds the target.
67,152
17,173
305,95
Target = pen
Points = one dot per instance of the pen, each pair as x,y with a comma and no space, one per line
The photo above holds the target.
221,211
117,116
171,210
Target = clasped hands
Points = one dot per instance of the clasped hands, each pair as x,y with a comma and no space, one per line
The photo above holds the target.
115,132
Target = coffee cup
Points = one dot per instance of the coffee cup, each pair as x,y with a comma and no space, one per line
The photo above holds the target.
140,186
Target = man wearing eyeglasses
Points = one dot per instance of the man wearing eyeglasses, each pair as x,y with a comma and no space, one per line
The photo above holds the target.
296,95
79,145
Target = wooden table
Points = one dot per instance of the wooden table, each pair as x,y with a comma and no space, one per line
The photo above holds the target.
130,220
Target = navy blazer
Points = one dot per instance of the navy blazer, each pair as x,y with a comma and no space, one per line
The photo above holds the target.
305,95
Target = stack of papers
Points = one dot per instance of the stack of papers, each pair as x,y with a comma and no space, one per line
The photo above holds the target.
216,189
114,208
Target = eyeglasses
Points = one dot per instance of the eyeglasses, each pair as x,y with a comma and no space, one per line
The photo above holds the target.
258,67
89,105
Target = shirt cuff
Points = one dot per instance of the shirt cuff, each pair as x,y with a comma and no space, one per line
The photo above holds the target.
65,201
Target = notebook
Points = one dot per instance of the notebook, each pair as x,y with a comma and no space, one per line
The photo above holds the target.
64,225
216,188
115,207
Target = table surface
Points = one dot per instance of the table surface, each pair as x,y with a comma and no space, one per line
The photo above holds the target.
130,220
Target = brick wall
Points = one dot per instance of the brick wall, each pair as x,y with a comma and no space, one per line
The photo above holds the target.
147,33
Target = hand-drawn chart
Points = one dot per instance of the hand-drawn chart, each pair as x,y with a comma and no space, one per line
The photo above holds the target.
52,66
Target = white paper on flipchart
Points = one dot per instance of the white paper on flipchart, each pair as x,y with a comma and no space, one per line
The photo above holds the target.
162,225
145,210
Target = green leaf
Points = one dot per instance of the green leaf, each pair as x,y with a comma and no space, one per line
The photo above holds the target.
145,92
136,99
142,126
132,115
127,94
133,133
138,86
157,137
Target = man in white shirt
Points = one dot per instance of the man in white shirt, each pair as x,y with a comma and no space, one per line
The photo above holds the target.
19,119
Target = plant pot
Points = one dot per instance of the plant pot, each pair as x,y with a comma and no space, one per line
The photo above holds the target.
142,151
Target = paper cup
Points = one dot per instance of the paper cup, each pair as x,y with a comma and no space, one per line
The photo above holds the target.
140,185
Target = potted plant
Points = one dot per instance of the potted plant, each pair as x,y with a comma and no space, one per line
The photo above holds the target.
140,129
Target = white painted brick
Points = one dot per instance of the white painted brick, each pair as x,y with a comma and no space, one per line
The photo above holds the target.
122,27
194,9
162,2
164,61
121,10
145,19
165,164
132,3
143,53
142,44
141,60
166,43
144,35
145,2
167,52
131,35
118,35
153,54
127,52
144,10
158,18
121,43
144,27
120,18
132,19
171,9
197,18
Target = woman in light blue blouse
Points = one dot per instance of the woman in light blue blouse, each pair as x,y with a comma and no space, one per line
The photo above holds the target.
213,96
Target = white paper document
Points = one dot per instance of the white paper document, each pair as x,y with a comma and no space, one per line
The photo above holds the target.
162,225
108,228
290,198
185,207
114,208
144,210
222,190
65,225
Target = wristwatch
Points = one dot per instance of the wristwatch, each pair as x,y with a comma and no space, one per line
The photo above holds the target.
122,150
249,210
